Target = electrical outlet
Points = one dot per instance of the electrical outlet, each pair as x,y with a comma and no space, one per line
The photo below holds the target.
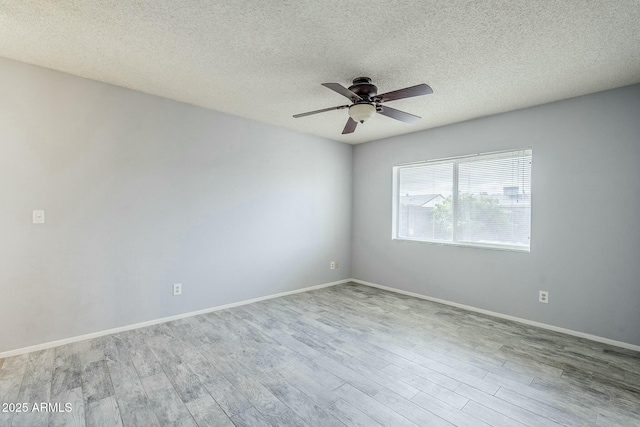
177,289
332,265
337,264
543,296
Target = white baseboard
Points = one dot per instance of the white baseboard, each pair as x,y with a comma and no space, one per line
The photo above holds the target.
505,316
58,343
70,340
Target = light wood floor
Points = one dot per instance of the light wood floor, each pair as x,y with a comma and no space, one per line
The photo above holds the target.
346,355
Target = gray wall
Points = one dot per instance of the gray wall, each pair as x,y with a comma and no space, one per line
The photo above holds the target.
139,193
585,237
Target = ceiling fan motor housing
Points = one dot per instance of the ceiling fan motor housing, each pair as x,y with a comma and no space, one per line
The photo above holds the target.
363,87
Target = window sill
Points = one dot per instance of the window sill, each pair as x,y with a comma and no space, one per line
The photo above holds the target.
465,245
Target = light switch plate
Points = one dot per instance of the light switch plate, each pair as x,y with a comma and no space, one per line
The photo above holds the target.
38,217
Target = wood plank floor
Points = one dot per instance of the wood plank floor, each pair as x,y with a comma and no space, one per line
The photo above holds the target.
347,355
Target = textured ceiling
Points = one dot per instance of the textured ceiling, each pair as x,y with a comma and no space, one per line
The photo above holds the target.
265,60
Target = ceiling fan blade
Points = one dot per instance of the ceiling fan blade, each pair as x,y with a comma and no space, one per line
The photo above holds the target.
341,107
337,87
350,126
398,115
407,92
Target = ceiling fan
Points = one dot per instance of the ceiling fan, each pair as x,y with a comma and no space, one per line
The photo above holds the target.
366,102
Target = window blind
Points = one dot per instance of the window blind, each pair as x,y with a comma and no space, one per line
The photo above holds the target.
481,200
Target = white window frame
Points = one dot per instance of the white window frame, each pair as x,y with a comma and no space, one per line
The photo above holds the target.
455,161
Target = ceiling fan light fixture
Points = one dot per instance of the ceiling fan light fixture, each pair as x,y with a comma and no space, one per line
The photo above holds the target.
362,112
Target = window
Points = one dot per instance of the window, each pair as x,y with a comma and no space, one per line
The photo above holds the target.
482,200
